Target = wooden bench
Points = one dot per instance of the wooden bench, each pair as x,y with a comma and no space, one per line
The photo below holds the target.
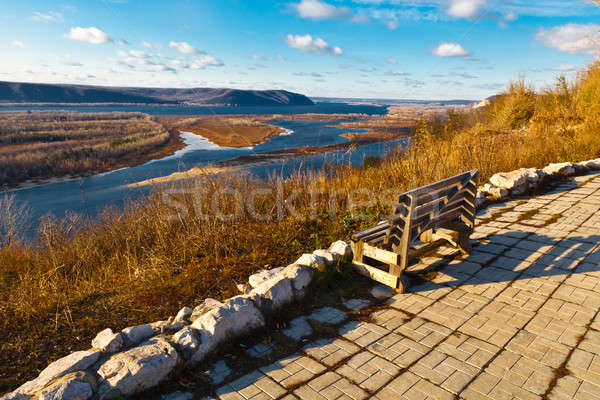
426,218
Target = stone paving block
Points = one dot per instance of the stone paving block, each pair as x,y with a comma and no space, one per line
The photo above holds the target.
330,386
368,371
331,351
479,257
578,295
390,318
567,311
464,266
446,313
555,329
466,301
356,304
444,371
254,386
299,328
409,386
409,302
517,295
512,264
492,248
585,366
570,387
488,329
362,333
218,372
510,315
398,349
328,315
448,277
539,349
528,374
424,332
260,349
484,287
467,349
494,274
293,370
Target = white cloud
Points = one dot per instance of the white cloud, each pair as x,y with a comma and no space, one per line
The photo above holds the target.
17,43
317,9
281,58
146,44
565,68
392,61
571,38
466,8
397,73
260,57
90,35
308,44
184,47
50,16
205,61
450,50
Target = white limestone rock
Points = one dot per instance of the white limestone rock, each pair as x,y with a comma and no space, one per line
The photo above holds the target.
300,276
534,176
331,259
513,180
495,191
264,275
593,165
108,341
74,386
233,317
183,314
138,368
271,295
15,396
77,361
136,334
311,260
244,288
380,291
188,342
342,249
560,169
206,306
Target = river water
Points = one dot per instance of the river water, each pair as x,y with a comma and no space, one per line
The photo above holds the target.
91,195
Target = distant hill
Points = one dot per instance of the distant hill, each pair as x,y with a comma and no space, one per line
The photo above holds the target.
17,92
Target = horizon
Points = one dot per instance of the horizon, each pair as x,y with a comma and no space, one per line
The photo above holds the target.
312,47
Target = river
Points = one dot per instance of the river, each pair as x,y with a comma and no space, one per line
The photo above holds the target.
91,195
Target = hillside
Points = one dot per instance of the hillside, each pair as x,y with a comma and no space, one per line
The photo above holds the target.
19,92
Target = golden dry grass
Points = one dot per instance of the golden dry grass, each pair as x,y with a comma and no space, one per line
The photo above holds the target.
42,145
137,265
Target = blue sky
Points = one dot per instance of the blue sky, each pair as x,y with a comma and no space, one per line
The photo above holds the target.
401,49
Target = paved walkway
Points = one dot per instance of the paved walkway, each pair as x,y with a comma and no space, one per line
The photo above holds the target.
518,319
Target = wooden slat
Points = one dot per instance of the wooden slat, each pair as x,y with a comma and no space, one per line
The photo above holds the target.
438,185
379,227
384,256
377,274
438,206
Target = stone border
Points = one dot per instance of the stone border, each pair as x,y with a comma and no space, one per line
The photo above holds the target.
140,357
515,183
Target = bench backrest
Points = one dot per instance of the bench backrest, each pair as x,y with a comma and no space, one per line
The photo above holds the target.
441,203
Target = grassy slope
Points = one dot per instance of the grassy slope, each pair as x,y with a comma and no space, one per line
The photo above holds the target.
137,265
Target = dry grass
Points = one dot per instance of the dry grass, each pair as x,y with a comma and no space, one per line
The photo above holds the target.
138,265
42,145
226,131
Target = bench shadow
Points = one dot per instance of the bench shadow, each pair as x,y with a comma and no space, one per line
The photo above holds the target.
505,257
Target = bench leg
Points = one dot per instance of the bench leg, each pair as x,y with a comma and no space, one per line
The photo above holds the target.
464,244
